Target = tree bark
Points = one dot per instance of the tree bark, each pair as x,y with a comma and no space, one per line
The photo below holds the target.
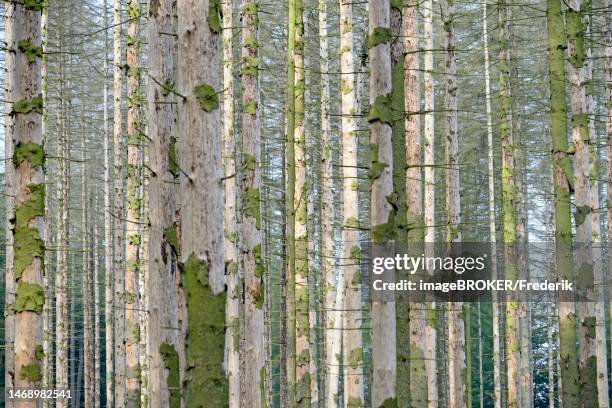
119,225
382,223
563,179
164,340
201,229
497,367
27,232
351,318
253,352
232,265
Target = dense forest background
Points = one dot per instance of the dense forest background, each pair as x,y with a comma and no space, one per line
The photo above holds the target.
131,281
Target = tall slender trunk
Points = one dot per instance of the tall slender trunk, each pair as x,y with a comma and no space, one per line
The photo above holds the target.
95,247
333,288
583,256
61,264
419,378
133,235
28,158
513,335
47,379
118,251
350,327
608,123
253,353
497,366
162,287
87,278
382,223
598,272
232,266
9,186
429,193
201,232
458,386
108,232
303,352
563,180
290,156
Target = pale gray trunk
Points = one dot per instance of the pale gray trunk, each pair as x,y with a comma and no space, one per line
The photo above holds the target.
497,367
163,341
253,352
383,312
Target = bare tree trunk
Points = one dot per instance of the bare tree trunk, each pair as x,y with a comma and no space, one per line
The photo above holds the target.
108,233
24,83
87,278
383,312
497,366
96,288
232,265
253,353
429,192
162,300
608,122
201,232
61,264
332,286
133,235
47,310
456,328
583,200
119,273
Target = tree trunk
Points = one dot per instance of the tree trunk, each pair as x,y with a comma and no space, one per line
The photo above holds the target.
563,179
10,30
289,394
497,367
333,288
429,192
87,279
28,190
458,387
253,352
162,301
63,230
133,236
382,223
581,140
201,233
108,232
232,335
513,335
119,273
351,318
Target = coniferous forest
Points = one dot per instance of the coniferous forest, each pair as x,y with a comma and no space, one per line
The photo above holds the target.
193,191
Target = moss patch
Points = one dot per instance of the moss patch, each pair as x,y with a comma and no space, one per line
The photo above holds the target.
207,97
29,105
28,245
382,110
252,205
30,297
380,35
173,382
30,373
171,238
30,50
30,152
214,16
33,207
204,346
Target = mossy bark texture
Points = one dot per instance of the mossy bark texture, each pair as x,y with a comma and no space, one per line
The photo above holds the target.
381,168
201,234
27,229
